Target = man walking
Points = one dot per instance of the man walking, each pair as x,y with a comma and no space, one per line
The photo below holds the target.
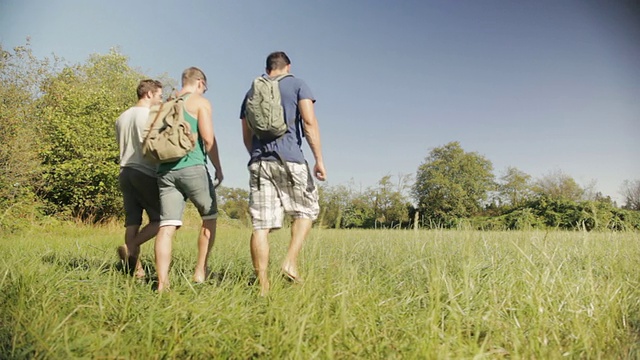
137,177
280,179
188,178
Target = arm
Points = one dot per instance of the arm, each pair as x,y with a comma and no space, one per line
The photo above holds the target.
118,135
247,135
205,129
312,134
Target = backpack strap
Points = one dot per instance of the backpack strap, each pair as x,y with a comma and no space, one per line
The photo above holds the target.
281,161
310,184
280,77
286,168
276,153
153,123
171,98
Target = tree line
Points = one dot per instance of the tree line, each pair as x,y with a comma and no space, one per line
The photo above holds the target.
454,188
58,159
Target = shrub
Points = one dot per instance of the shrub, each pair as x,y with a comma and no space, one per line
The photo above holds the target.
80,156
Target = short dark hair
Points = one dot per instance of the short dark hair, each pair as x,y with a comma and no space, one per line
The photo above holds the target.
147,85
277,60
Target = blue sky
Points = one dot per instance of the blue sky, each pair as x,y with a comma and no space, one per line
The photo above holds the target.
543,86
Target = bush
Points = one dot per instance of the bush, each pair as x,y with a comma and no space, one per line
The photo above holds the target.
20,174
544,213
523,219
80,156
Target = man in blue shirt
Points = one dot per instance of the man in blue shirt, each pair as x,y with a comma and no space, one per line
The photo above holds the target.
280,179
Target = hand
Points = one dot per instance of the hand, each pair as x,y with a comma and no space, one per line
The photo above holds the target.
219,177
319,171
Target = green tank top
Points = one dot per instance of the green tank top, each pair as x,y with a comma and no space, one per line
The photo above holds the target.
197,156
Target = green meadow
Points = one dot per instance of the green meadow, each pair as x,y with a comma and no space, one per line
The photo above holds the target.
368,294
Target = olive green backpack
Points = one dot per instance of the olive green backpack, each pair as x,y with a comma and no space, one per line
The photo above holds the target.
263,109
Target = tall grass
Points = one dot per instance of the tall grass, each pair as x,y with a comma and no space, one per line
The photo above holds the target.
367,294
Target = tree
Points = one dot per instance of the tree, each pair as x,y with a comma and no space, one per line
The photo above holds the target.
631,192
333,201
514,187
452,183
389,204
558,185
21,75
359,213
234,202
590,191
385,205
79,154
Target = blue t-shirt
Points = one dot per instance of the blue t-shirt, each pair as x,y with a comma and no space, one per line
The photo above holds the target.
289,145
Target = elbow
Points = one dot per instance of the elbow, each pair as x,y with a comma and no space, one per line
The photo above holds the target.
310,123
207,143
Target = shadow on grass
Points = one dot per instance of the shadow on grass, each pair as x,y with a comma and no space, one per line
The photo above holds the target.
77,263
72,263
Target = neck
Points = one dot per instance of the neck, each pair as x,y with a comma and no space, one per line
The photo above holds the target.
278,72
144,103
187,89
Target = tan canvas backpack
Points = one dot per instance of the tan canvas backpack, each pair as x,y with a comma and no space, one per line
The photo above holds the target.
167,136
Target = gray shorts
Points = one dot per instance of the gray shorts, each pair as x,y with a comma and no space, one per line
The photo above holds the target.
193,183
272,193
140,192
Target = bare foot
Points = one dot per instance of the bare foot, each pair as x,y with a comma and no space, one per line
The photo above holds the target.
139,274
163,287
200,276
264,289
263,280
123,253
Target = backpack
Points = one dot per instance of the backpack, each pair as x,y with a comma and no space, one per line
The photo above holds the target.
167,136
263,109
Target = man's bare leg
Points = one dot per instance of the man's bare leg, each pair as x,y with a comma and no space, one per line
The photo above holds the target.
130,234
205,242
163,255
299,230
125,251
146,233
260,258
133,240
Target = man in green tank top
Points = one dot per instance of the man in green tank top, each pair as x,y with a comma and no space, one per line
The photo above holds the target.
188,178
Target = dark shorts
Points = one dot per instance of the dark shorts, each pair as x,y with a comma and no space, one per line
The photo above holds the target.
140,192
193,183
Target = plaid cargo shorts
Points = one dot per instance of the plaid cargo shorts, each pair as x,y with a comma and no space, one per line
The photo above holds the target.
275,191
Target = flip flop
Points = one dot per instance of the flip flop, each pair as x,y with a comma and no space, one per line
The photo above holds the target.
290,277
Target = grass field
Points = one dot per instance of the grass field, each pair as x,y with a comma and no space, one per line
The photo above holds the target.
376,294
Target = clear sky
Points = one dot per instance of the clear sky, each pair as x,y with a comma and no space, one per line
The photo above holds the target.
540,85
